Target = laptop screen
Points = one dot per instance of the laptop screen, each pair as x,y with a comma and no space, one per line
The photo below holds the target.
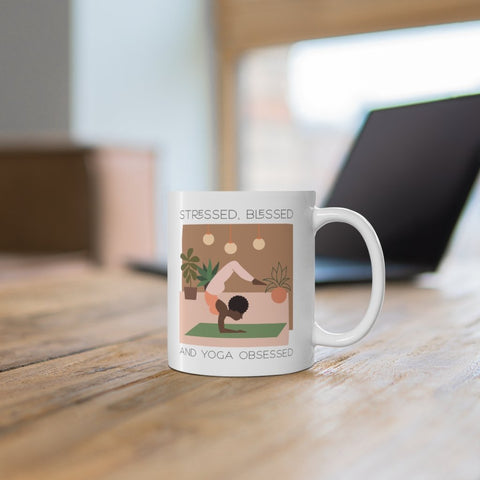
409,173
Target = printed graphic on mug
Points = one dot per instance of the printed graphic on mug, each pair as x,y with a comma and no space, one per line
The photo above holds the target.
237,285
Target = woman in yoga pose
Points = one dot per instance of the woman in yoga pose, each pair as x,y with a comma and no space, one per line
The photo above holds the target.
237,305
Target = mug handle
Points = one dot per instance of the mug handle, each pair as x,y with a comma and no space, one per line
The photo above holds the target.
322,216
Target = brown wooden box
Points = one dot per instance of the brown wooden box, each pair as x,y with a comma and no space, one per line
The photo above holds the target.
65,198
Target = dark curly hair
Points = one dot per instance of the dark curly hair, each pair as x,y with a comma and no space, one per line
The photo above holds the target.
238,304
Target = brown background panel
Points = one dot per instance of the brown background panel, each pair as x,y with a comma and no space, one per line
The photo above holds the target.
278,248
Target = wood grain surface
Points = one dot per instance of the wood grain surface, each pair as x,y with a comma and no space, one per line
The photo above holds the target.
86,392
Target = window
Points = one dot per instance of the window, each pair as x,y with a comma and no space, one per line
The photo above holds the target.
301,105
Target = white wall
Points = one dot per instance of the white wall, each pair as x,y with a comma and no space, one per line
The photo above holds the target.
34,68
142,73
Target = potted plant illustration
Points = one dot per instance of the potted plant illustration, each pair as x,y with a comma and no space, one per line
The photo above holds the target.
189,269
206,273
277,283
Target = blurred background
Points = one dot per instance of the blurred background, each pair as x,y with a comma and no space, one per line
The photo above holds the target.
105,106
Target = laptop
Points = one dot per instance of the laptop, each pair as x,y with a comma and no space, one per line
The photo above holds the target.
409,172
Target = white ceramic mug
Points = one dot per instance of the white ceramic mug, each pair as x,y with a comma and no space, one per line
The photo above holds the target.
241,289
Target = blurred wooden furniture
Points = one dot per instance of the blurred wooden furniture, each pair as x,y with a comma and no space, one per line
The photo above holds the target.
85,390
67,198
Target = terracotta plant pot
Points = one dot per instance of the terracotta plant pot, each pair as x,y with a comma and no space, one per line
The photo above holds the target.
279,295
190,293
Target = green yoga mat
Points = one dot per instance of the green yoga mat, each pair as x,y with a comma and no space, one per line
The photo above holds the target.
253,330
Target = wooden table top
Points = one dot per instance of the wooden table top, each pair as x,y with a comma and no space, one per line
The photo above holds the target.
85,390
